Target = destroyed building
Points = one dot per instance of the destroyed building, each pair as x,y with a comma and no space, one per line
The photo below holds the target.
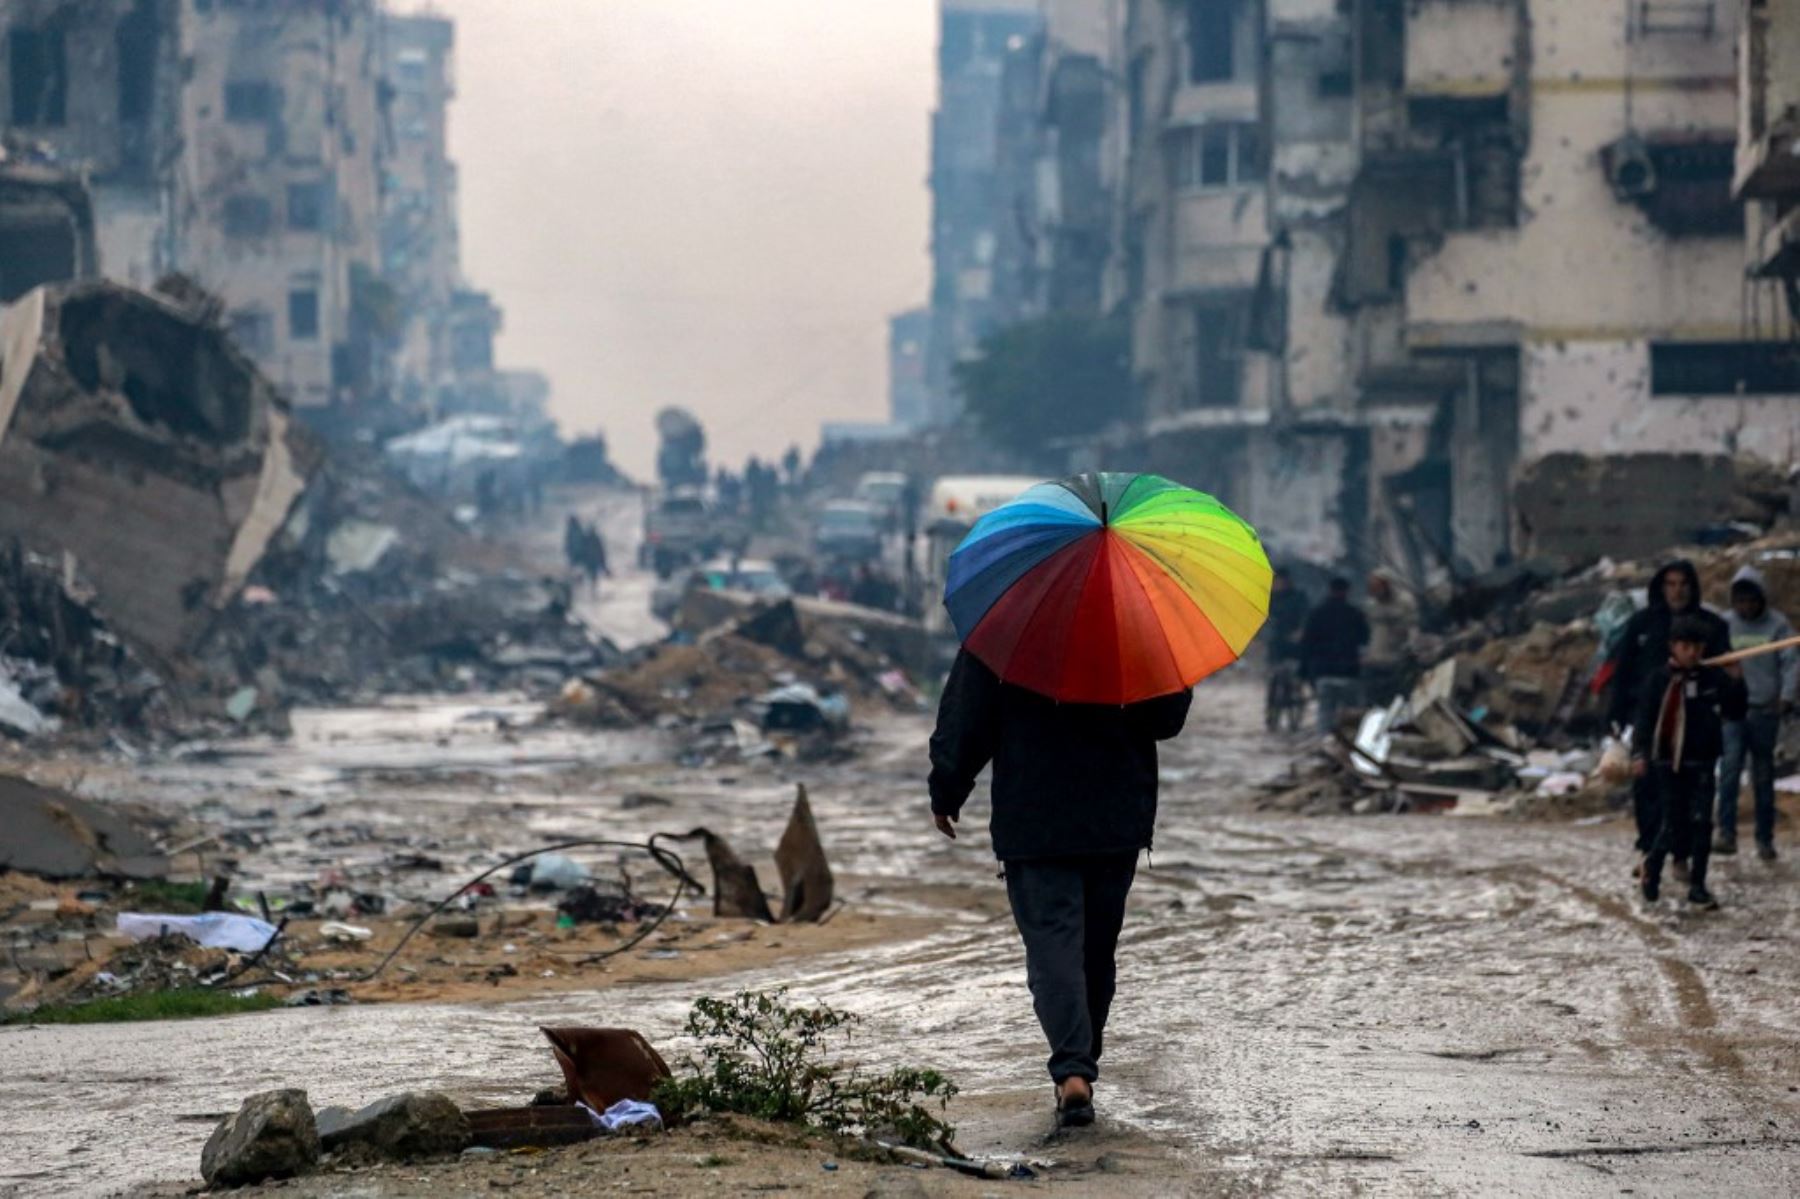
141,448
1435,283
290,158
46,228
91,88
974,37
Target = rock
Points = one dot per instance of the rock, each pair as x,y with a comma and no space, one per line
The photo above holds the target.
273,1135
456,926
401,1127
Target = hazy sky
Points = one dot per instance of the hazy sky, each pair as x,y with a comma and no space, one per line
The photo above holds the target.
714,203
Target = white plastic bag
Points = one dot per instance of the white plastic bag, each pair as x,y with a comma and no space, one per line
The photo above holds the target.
215,930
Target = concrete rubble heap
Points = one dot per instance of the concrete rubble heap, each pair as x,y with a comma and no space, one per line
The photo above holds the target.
1506,713
141,449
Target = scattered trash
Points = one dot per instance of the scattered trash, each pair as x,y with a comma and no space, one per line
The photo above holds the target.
806,886
335,930
555,872
602,1066
214,930
626,1113
319,997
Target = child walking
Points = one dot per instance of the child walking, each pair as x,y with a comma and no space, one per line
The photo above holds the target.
1676,742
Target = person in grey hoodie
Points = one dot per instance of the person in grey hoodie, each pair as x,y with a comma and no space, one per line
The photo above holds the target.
1773,683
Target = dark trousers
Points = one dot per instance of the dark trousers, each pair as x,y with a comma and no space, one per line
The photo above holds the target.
1069,912
1647,810
1686,799
1755,738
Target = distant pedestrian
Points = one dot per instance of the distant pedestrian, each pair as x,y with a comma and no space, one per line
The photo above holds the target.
1676,740
1772,683
1393,617
1642,650
1331,648
1074,803
574,542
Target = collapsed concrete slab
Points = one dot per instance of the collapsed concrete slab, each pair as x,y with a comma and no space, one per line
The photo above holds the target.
137,440
53,834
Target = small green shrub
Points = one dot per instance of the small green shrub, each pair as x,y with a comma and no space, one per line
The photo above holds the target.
760,1057
160,895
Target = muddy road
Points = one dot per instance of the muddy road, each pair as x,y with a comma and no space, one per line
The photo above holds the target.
1418,1005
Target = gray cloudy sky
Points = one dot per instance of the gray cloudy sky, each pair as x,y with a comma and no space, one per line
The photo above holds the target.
715,203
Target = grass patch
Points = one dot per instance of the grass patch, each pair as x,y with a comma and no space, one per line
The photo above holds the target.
713,1161
174,899
184,1003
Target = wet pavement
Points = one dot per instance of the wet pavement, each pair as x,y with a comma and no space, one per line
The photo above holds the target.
1417,1005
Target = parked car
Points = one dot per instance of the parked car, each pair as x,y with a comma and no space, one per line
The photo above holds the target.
678,528
887,490
753,575
848,531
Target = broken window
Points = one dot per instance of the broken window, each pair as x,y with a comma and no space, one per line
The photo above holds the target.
1211,33
136,37
1724,368
303,315
1682,182
40,76
309,206
1218,154
251,101
1218,355
247,216
253,331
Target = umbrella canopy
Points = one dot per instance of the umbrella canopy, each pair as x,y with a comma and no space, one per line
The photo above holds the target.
1108,588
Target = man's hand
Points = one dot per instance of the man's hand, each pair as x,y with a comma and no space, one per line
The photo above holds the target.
1639,768
946,825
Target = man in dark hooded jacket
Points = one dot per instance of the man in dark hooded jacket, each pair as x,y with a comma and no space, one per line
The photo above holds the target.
1074,803
1643,650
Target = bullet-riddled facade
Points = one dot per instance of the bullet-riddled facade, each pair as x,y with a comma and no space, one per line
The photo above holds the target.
276,201
1406,275
91,87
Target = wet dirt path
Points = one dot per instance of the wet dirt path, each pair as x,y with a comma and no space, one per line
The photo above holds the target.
1388,1005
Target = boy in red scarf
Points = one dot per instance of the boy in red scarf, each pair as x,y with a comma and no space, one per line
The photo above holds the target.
1676,743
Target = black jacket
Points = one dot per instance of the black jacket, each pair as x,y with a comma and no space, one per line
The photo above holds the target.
1710,697
1331,645
1069,779
1287,615
1643,645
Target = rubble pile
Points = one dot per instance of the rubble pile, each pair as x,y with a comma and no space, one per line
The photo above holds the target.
61,668
767,680
176,554
1507,715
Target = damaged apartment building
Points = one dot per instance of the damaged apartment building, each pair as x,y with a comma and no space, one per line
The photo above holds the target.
1433,284
292,159
1556,345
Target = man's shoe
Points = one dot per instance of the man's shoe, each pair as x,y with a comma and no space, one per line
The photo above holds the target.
1701,898
1678,869
1650,884
1074,1104
1765,850
1725,844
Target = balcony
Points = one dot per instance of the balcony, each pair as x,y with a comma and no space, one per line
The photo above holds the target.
1768,167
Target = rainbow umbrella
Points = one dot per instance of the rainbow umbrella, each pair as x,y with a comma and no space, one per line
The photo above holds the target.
1108,588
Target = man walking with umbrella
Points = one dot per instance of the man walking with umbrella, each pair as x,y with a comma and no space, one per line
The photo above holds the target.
1087,609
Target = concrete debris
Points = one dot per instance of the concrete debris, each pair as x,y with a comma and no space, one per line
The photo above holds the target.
1509,715
272,1135
806,887
736,890
142,442
406,1127
601,1066
55,835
